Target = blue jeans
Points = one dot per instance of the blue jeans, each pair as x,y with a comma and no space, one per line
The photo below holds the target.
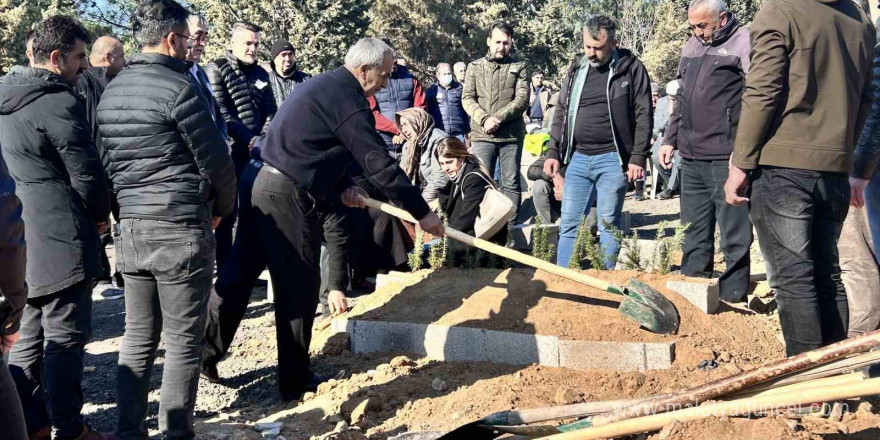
872,204
586,178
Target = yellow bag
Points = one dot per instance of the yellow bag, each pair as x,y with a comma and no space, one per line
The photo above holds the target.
536,143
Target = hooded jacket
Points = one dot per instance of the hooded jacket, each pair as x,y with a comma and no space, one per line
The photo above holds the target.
706,114
245,96
630,107
282,87
166,156
809,88
58,175
497,88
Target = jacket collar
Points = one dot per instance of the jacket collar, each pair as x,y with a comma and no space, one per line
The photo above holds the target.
723,34
146,59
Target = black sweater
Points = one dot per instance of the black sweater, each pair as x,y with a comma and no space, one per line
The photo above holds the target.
323,128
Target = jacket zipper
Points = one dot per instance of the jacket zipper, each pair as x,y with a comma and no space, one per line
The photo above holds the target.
611,115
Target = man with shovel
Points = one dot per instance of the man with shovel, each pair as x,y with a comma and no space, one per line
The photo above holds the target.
318,134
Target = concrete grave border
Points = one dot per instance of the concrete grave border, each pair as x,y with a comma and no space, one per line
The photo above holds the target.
466,344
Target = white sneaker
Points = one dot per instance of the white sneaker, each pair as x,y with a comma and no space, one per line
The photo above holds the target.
107,291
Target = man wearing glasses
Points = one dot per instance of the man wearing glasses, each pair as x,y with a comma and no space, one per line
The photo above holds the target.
198,39
243,91
174,182
702,128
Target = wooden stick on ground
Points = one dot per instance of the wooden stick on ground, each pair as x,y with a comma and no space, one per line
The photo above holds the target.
741,407
738,382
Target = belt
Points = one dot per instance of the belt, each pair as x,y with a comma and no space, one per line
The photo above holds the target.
271,169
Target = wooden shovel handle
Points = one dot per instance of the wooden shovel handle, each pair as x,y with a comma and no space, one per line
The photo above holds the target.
502,251
733,408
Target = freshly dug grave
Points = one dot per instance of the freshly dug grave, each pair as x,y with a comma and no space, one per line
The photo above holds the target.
535,302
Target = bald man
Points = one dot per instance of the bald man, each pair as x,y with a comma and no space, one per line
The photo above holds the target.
107,58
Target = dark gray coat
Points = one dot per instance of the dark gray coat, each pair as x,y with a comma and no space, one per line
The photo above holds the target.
166,156
49,150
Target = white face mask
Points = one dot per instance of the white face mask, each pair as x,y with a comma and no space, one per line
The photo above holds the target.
445,79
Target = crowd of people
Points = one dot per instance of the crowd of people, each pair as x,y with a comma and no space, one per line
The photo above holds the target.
205,177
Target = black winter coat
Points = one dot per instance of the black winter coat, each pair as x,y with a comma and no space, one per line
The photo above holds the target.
166,156
245,96
48,148
282,87
631,110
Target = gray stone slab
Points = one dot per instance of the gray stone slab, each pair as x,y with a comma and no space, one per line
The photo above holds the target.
659,356
522,349
342,325
378,336
458,344
587,355
703,294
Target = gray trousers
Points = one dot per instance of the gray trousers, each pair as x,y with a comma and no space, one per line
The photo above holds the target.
167,269
861,277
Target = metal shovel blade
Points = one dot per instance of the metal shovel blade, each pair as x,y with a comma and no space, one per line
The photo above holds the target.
648,307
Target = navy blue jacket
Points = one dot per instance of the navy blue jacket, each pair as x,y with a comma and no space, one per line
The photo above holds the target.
445,107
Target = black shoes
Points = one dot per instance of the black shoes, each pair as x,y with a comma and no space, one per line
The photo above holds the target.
665,195
210,373
312,386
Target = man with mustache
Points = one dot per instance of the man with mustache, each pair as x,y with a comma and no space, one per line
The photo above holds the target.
283,70
601,134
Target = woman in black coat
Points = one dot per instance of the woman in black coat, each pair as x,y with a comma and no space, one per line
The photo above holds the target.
461,198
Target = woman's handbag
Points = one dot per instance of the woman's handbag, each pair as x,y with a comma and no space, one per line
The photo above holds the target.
495,210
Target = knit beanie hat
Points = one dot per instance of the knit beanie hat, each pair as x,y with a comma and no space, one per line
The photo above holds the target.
280,46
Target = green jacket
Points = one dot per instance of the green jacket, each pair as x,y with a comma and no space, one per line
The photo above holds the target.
497,88
808,91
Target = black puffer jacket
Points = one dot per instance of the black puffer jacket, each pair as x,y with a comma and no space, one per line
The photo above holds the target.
244,93
282,86
166,157
58,176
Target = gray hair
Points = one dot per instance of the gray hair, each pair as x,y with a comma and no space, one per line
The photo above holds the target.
599,22
197,20
437,69
370,52
714,6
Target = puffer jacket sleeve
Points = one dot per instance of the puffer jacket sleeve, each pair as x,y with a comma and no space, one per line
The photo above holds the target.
867,155
469,95
69,132
516,108
13,289
234,126
209,150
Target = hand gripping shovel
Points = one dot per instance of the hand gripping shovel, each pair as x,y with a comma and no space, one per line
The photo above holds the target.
641,303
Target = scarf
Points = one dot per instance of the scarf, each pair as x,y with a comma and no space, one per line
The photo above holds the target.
423,124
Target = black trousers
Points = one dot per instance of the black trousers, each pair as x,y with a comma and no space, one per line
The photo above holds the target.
106,238
799,215
224,231
702,206
279,227
11,414
47,361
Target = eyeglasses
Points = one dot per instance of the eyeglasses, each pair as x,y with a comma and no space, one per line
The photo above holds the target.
204,38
